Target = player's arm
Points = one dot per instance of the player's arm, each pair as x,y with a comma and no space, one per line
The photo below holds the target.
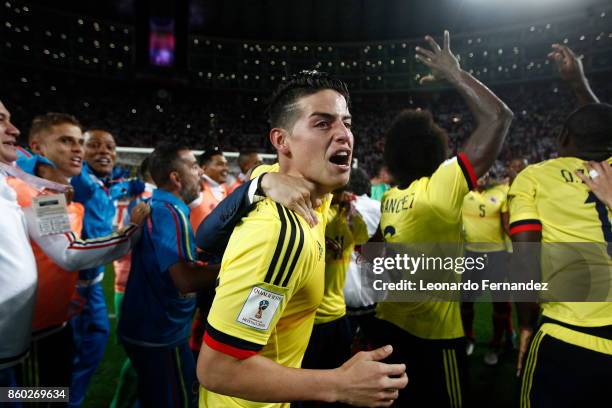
572,72
363,380
505,222
189,277
292,192
173,244
492,116
72,253
526,234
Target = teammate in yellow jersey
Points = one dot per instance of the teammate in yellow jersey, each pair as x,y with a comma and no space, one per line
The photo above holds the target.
331,338
569,362
485,223
425,207
272,274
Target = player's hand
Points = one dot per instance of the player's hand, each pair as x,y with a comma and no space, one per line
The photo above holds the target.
333,247
367,382
569,65
525,335
292,192
139,213
443,64
599,180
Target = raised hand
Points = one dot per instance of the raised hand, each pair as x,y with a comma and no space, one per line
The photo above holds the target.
139,213
599,180
443,64
569,65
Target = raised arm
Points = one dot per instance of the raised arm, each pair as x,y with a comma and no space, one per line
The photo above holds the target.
572,72
492,116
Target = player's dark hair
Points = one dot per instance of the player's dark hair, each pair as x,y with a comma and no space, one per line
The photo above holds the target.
163,161
208,154
245,154
414,146
590,128
145,168
45,122
281,107
359,182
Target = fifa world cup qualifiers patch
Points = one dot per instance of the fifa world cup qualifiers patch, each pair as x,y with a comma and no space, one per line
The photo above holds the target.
260,308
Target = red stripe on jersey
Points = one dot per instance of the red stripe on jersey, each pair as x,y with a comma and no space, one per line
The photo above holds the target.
227,349
525,227
178,231
470,169
24,151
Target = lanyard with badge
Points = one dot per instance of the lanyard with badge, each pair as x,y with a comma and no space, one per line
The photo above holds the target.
49,206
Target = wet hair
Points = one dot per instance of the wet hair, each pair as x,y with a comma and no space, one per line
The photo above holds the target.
282,111
590,128
414,146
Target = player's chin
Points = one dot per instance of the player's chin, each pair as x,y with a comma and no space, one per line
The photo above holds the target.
335,181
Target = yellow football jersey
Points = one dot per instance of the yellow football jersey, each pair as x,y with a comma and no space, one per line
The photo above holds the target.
482,223
428,211
265,168
336,264
550,198
270,286
275,168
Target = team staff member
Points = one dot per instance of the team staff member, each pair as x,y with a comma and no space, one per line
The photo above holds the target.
549,204
18,277
126,393
247,160
159,299
485,224
98,187
214,175
425,207
252,352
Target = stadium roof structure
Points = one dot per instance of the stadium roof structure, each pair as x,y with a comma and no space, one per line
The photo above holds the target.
333,20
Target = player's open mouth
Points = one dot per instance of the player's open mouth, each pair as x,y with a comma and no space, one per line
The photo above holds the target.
104,161
76,161
341,158
11,143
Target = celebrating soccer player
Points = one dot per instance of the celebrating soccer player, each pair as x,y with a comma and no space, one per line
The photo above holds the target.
428,336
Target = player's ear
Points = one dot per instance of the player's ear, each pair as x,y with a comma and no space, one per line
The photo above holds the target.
35,146
278,138
174,179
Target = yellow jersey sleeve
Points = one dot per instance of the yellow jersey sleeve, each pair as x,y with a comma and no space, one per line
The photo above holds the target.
449,184
256,280
522,204
264,168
